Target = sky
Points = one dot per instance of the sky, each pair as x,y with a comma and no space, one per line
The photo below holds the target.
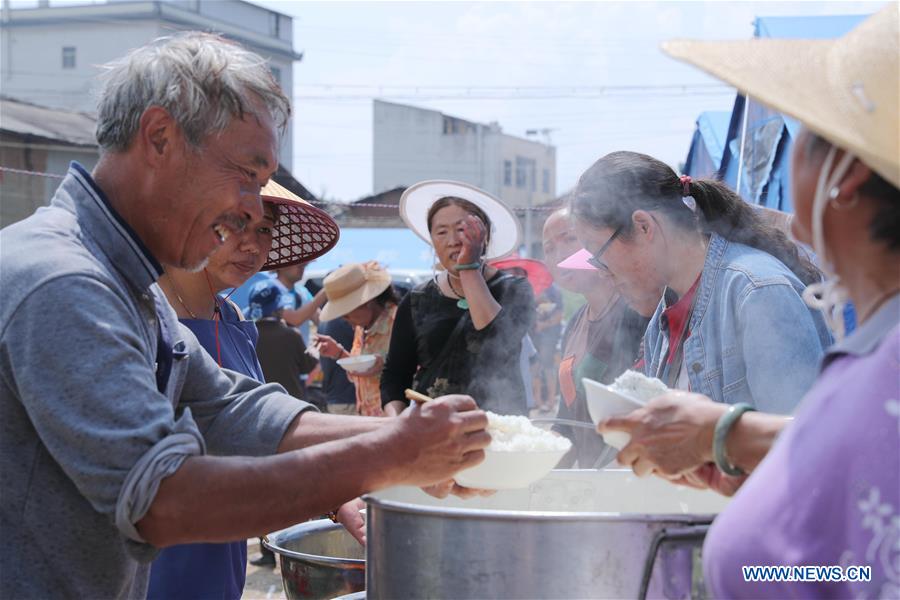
429,54
591,73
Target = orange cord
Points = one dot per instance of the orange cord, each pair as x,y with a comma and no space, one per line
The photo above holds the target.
217,313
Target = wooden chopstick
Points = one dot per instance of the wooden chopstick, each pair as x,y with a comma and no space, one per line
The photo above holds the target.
416,396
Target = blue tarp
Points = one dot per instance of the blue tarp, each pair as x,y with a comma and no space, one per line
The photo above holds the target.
705,154
716,144
807,28
765,177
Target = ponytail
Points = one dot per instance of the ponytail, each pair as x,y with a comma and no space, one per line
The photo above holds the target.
726,214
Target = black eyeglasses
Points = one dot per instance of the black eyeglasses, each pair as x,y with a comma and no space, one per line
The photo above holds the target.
594,260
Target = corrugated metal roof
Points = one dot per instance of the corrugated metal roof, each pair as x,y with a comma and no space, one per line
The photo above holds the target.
49,124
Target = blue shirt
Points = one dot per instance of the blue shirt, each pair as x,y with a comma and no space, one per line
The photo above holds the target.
752,337
337,388
300,296
196,571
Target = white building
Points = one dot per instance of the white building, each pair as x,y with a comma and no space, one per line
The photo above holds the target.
412,144
51,54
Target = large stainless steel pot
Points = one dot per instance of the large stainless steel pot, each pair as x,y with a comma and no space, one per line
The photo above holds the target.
574,534
319,559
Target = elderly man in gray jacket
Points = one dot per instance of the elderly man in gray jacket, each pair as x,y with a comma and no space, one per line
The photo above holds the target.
119,434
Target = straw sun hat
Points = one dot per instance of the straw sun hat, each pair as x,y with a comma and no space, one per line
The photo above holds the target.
302,231
418,199
351,286
845,90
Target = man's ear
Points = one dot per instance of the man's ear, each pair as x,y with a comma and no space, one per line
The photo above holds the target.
157,135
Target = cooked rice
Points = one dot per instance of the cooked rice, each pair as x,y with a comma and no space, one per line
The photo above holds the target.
638,386
518,434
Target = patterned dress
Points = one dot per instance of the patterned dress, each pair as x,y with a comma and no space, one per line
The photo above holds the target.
375,340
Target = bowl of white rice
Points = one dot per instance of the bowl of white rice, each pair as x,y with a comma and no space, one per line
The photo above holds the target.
519,454
630,391
358,364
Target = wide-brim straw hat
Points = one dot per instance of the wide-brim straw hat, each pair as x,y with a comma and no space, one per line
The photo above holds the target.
418,199
845,90
302,231
351,286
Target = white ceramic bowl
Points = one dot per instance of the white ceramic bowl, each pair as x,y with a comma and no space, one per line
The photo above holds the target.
357,364
604,403
504,470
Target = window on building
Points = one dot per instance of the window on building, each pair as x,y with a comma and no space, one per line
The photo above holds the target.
545,184
525,168
507,172
454,126
274,25
276,74
68,57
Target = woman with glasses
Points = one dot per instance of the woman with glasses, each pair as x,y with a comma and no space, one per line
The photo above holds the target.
732,323
822,488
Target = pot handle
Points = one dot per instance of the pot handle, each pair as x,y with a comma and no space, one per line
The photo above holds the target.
691,533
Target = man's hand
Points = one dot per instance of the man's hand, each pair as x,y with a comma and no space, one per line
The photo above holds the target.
670,436
439,438
349,516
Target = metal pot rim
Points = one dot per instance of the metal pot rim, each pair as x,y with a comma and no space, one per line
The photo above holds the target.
515,515
270,541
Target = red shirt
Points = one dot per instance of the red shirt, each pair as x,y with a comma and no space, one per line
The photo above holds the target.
676,318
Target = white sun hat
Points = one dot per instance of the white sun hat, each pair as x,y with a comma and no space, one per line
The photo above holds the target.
506,232
845,90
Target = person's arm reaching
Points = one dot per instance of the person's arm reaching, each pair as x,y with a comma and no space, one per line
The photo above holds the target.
218,499
307,312
672,435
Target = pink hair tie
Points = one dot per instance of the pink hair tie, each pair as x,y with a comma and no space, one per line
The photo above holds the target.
685,185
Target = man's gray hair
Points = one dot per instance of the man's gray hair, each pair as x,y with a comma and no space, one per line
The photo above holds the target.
201,79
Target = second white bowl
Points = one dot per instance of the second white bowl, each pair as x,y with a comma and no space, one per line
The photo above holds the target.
604,403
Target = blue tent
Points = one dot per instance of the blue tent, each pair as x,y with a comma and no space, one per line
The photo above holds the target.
769,134
705,154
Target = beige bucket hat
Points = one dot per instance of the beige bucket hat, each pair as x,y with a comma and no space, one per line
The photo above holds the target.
351,286
302,232
845,90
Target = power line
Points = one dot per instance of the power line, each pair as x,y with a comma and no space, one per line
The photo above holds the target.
343,205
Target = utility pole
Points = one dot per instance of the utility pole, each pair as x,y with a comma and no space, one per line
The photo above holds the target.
7,46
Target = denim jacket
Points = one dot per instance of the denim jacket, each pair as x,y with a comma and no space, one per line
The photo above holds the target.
752,337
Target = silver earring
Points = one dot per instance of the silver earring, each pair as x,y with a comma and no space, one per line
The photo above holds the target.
833,193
